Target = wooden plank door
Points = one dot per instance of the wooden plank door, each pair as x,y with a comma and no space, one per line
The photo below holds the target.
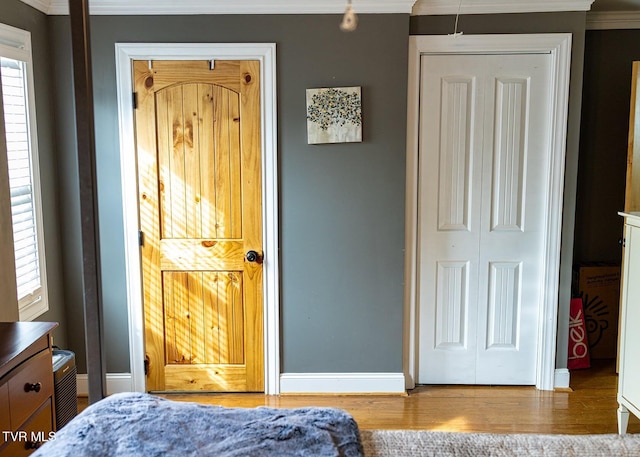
632,189
632,185
199,172
484,154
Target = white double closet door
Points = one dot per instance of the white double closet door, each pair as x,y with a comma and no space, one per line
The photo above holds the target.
484,155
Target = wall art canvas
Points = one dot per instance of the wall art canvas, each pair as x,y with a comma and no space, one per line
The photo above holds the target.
334,115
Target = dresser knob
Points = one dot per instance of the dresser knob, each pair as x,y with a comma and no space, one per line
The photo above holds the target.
32,445
33,387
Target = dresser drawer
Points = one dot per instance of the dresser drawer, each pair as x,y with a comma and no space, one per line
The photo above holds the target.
37,373
5,424
33,435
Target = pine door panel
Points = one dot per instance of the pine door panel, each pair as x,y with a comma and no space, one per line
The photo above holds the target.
204,317
200,209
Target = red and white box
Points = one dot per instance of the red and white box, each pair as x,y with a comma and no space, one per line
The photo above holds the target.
578,340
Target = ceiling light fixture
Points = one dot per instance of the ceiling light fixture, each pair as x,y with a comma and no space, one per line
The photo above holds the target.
349,20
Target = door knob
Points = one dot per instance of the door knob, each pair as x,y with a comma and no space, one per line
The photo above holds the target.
252,256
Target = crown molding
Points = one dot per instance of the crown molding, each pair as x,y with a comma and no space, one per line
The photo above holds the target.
610,20
596,20
436,7
41,5
417,8
173,7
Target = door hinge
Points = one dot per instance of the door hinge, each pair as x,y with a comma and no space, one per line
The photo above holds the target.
146,365
140,238
134,100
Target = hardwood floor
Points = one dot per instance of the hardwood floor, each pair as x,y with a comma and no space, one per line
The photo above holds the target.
589,408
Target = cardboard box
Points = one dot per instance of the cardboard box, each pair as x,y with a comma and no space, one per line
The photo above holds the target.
599,287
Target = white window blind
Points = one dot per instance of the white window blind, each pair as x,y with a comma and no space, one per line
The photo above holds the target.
21,145
22,207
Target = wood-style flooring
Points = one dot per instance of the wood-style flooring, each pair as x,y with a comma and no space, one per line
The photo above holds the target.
589,407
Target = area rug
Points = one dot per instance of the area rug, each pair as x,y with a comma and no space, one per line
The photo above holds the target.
415,443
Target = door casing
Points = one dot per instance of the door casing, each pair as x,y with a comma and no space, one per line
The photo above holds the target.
559,46
265,53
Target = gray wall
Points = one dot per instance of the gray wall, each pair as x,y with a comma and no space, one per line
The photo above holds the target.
538,23
341,206
603,142
18,14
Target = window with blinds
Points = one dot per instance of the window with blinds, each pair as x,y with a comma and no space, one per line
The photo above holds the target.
19,123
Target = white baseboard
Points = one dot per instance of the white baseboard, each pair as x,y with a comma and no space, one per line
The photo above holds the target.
354,383
340,383
116,383
561,378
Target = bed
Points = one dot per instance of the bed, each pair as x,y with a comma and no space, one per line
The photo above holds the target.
143,425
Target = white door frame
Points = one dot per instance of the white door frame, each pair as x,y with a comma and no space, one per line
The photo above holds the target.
266,54
558,45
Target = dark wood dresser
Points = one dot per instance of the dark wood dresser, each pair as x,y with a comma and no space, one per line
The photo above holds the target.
27,408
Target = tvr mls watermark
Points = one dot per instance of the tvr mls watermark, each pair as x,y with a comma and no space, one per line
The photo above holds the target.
24,436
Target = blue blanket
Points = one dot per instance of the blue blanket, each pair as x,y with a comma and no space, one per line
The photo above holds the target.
143,425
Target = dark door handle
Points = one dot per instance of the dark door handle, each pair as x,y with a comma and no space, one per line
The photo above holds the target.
253,256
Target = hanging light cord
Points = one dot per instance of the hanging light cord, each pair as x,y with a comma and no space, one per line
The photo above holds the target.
455,28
